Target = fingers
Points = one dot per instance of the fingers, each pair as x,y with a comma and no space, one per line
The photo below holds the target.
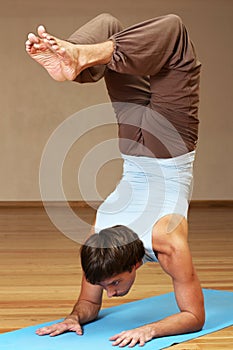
124,338
130,341
59,328
131,338
77,329
53,330
127,341
114,337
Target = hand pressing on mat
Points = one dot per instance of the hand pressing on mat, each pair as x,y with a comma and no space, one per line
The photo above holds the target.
70,324
132,337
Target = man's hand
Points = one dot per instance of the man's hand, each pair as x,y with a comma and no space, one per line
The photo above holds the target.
132,337
69,324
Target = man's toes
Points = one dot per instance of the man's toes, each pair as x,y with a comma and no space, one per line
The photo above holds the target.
55,47
28,43
38,46
33,39
61,51
41,31
50,41
43,34
28,48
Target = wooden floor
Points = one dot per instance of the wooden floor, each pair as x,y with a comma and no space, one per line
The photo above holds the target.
40,270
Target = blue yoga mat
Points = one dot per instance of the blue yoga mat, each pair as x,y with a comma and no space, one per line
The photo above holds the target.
219,306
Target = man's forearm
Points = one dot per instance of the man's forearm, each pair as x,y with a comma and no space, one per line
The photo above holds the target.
84,311
183,322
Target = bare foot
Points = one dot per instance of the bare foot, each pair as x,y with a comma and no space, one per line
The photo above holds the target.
58,57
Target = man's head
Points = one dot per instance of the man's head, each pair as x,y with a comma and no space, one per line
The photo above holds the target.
113,252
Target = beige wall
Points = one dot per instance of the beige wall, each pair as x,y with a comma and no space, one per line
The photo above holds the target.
33,105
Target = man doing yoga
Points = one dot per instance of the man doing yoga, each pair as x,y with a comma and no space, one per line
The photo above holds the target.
152,76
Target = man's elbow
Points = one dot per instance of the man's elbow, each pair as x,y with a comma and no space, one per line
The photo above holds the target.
199,321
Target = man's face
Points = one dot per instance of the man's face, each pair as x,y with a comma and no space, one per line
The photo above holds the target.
120,284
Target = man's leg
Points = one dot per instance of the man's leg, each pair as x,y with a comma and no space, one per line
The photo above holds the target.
162,49
142,49
159,48
65,60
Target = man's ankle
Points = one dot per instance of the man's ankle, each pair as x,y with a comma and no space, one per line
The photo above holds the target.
92,55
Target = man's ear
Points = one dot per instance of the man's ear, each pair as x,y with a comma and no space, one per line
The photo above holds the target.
138,264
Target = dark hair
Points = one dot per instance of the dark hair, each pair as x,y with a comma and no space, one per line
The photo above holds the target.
111,251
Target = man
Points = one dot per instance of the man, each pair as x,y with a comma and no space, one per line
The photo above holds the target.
152,76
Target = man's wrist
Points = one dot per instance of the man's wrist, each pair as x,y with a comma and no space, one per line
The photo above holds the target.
73,317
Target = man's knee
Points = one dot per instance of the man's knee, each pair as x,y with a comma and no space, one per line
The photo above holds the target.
106,17
110,21
173,21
